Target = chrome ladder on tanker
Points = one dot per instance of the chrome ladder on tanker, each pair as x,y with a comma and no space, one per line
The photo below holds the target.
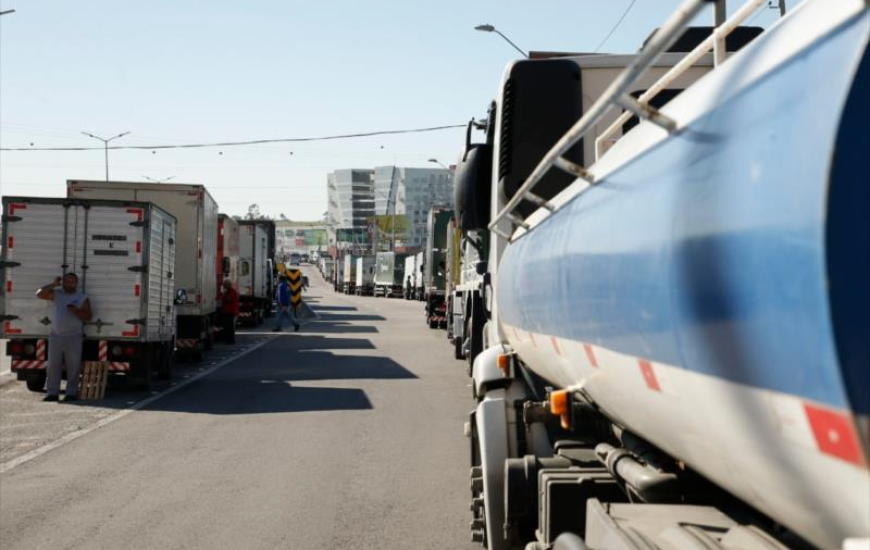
617,95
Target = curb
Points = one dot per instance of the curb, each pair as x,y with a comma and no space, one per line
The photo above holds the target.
7,378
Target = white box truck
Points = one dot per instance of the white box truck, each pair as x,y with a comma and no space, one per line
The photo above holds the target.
195,278
349,274
365,276
255,273
123,253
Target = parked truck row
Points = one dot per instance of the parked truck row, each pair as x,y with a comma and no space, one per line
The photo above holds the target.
151,258
422,276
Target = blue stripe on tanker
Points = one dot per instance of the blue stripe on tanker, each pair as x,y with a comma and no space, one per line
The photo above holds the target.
708,251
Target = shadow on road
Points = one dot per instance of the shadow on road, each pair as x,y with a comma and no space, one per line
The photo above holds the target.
332,327
319,308
267,381
261,396
337,317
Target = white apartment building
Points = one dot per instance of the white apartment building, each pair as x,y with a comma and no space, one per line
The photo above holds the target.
351,200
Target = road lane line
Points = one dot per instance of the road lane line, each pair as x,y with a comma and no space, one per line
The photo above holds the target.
27,457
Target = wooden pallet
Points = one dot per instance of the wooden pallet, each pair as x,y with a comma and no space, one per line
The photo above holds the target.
95,375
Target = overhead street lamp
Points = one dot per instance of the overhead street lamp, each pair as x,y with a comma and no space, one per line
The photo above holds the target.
164,180
441,164
490,28
106,145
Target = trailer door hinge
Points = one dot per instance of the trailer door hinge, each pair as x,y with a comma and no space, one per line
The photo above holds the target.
8,317
7,218
143,223
4,265
45,321
135,321
99,323
139,268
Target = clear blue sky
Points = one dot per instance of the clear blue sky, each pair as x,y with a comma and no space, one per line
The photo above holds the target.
199,71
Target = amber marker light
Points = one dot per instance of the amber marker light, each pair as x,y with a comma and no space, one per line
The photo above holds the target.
504,363
560,406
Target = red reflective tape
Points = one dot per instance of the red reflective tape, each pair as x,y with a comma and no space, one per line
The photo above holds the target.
9,329
11,242
835,434
138,247
13,206
138,211
590,354
649,375
134,332
136,290
555,345
8,286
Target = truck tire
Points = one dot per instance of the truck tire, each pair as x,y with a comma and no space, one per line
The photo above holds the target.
36,382
209,335
144,370
164,369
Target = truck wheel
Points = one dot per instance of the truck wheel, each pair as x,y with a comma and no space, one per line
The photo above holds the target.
209,336
36,382
144,370
164,370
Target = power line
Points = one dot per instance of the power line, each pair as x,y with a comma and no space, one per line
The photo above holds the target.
616,26
242,143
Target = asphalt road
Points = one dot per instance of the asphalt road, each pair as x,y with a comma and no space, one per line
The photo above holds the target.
347,434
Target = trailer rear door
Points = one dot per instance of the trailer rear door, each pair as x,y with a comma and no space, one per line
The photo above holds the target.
34,254
114,246
101,244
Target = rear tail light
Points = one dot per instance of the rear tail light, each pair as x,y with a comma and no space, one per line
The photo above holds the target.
16,348
29,349
129,351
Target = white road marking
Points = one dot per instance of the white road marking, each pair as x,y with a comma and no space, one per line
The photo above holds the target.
27,457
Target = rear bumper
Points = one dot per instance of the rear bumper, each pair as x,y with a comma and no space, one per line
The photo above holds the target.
92,350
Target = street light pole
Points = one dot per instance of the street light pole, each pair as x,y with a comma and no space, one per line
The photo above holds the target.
106,146
164,180
490,28
441,164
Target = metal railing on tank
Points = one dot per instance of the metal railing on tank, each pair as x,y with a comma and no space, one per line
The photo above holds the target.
617,95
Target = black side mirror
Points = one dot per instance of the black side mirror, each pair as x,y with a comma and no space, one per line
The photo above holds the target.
180,296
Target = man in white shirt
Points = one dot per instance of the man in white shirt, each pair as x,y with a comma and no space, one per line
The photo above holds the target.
71,310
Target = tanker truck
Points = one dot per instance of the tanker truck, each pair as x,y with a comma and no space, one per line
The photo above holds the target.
676,302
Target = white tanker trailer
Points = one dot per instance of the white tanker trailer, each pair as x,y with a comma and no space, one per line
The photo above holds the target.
677,351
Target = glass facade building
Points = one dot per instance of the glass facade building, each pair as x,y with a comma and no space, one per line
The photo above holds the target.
412,192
